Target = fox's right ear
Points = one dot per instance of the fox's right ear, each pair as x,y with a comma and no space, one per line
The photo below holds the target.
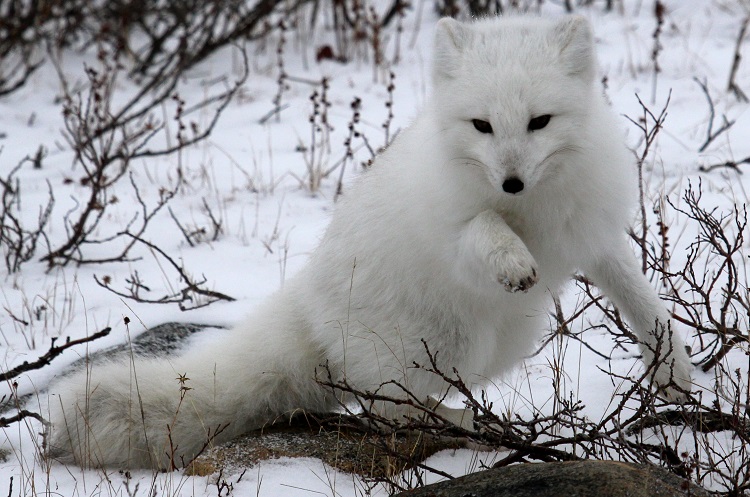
576,42
451,37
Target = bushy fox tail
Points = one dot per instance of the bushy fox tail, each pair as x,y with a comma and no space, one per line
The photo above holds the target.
162,412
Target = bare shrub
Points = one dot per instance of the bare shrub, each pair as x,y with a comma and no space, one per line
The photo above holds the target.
318,150
484,8
18,241
565,435
359,29
649,124
173,36
454,8
20,55
638,426
710,291
106,139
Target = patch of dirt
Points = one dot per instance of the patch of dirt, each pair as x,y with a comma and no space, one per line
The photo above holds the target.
326,439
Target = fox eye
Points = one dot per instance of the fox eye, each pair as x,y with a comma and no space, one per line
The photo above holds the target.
539,122
482,126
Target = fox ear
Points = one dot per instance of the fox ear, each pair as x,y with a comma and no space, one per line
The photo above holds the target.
576,41
451,37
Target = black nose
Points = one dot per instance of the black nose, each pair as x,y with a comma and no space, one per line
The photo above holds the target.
512,185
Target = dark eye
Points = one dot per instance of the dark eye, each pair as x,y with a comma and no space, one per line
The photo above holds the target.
539,122
482,126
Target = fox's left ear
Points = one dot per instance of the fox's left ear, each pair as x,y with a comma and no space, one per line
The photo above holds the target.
576,41
451,38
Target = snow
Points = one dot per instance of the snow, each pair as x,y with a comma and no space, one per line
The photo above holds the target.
253,177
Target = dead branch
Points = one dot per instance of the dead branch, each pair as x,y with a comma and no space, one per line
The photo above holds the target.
54,351
19,242
650,125
735,165
710,135
21,414
713,303
659,14
191,290
732,84
210,438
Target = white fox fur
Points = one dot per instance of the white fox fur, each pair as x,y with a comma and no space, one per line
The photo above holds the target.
426,245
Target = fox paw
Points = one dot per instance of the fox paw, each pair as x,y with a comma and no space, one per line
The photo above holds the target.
673,379
459,417
516,271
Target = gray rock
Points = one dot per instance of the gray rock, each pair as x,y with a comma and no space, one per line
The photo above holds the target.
570,479
161,340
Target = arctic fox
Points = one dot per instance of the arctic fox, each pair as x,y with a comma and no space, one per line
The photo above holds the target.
513,177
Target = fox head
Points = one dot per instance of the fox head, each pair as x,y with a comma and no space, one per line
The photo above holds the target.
513,94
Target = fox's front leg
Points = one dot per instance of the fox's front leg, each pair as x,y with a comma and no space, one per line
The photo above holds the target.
490,247
617,273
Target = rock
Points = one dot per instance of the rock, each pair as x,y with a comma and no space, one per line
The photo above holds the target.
579,479
162,340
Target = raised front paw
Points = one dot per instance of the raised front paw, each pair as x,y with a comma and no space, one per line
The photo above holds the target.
515,269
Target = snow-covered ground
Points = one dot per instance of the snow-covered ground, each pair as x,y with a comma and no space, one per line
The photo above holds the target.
253,177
